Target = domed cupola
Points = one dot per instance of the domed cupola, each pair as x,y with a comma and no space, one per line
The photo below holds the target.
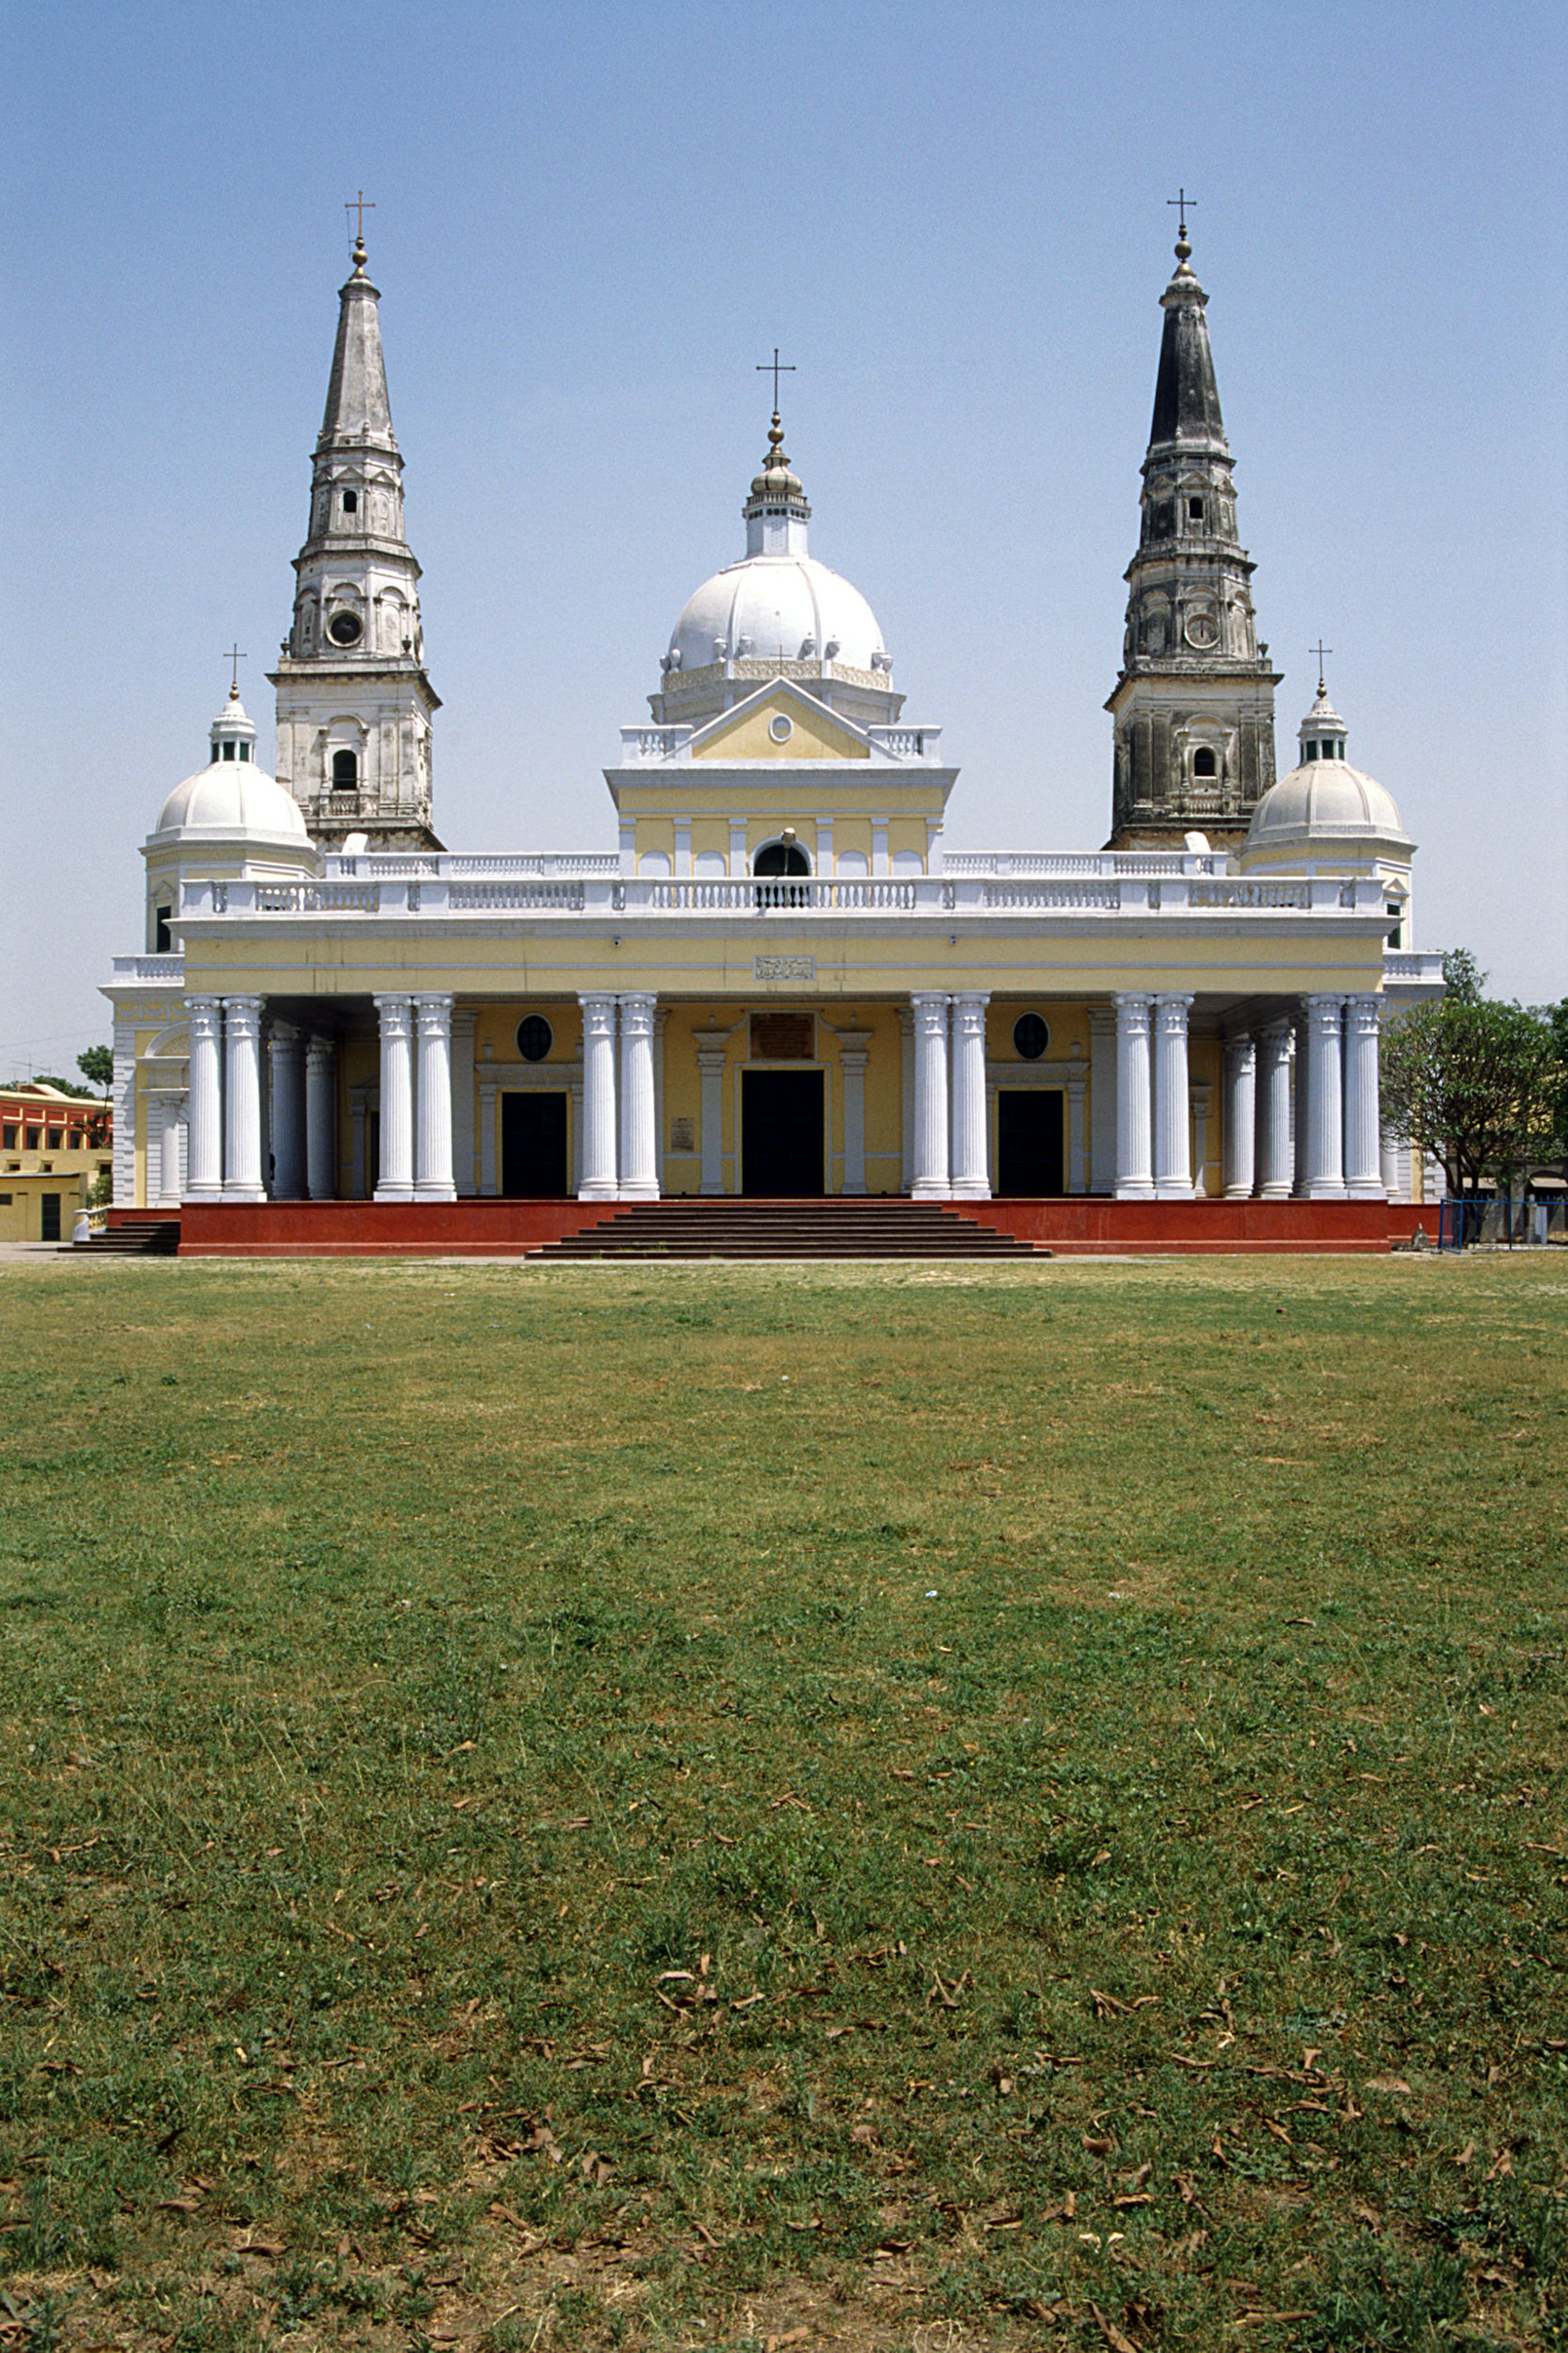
776,613
231,799
1328,817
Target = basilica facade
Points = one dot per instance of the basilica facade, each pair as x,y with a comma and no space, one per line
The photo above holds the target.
770,981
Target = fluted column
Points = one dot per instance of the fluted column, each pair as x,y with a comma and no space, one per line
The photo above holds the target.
931,1172
1240,1116
1323,1165
464,1020
1134,1138
639,1141
286,1050
242,1100
1102,1098
204,1161
322,1120
711,1054
1172,1146
1274,1162
599,1180
971,1178
167,1196
1301,1032
1363,1126
907,1096
854,1051
396,1179
433,1171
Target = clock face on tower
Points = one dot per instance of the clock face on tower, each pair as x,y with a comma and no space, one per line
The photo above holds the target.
344,629
1202,631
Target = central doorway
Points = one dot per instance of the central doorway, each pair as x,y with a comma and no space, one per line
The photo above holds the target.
534,1144
1029,1139
781,1132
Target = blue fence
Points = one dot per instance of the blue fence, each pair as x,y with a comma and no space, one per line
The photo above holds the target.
1500,1222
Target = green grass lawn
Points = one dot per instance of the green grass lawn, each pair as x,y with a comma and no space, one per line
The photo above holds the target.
872,1807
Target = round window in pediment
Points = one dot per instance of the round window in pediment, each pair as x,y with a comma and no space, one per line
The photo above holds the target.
344,630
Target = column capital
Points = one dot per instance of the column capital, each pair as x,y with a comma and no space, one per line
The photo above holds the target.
1365,1013
320,1049
638,1007
1241,1051
205,1014
396,1013
244,1013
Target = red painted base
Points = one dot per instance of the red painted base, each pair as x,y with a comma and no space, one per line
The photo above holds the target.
1076,1226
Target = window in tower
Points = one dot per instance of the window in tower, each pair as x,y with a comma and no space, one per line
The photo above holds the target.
350,503
161,940
228,751
1195,509
346,772
1165,519
1204,763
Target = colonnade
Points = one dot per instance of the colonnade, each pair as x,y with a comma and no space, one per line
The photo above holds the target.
259,1093
1301,1115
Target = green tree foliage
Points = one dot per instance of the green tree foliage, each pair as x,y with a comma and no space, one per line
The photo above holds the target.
1475,1082
97,1065
53,1079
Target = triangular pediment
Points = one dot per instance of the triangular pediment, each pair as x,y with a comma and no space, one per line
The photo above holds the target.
780,723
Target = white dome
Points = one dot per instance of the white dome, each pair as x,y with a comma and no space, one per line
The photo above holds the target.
233,796
766,608
1324,801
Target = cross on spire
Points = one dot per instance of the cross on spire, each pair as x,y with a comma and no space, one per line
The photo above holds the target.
775,368
1322,652
359,204
1182,203
235,658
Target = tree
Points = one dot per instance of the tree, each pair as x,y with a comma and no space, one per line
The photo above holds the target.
53,1079
98,1065
1472,1080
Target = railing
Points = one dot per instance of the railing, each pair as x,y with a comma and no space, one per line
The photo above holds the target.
150,968
1108,863
1496,1220
1404,968
505,888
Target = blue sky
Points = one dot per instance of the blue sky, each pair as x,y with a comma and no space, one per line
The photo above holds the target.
590,226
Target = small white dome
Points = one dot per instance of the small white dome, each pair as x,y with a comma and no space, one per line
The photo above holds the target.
1324,801
776,608
233,796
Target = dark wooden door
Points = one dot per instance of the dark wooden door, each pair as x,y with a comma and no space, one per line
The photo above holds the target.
534,1144
781,1133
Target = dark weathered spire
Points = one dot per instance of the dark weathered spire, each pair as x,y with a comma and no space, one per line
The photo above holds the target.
1186,399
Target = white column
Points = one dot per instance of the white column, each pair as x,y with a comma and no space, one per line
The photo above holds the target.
971,1176
1363,1139
359,1112
907,1098
286,1050
1134,1140
930,1173
168,1192
1240,1116
1078,1080
1173,1148
242,1100
464,1022
396,1181
322,1120
1201,1097
639,1142
433,1174
854,1050
599,1180
1323,1166
661,1016
710,1066
1102,1098
204,1172
1273,1155
1301,1033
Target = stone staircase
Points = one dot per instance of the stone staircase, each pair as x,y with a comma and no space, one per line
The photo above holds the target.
132,1238
833,1228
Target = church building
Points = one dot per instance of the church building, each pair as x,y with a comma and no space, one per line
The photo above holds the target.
771,981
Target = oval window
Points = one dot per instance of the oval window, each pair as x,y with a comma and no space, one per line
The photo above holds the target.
1030,1036
781,727
534,1038
344,629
